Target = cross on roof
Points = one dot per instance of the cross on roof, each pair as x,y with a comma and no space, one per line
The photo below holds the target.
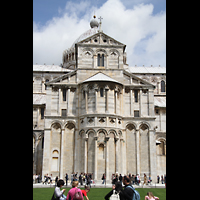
100,23
100,18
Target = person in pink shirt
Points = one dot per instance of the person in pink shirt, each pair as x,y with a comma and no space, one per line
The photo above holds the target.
73,191
150,196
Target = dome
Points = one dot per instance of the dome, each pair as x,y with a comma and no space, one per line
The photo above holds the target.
94,29
85,35
94,23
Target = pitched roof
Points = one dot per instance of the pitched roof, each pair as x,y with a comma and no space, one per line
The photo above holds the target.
146,70
160,102
100,77
39,99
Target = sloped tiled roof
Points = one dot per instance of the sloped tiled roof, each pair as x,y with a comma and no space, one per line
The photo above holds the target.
160,102
146,70
39,99
100,77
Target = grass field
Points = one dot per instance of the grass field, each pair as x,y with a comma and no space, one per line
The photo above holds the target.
96,193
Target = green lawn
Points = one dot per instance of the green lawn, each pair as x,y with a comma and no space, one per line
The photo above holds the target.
96,193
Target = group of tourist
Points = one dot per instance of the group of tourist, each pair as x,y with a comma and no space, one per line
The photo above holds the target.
72,194
125,193
82,178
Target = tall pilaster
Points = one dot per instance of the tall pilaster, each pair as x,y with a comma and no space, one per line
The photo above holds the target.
138,151
62,153
68,98
107,160
141,114
152,154
95,158
46,153
85,155
117,154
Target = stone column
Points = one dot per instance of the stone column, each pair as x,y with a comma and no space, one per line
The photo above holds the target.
151,102
96,90
61,153
76,150
86,101
46,153
152,154
59,101
107,160
68,94
158,87
35,155
116,101
95,158
106,91
138,151
131,93
141,103
85,155
117,154
38,115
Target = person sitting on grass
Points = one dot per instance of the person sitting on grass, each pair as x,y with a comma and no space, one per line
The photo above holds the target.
84,192
150,196
57,191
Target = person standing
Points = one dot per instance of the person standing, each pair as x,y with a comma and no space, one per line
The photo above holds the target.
127,193
120,178
145,179
66,178
56,180
103,178
158,179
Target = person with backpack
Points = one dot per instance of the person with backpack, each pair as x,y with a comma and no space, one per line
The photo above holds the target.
129,192
116,189
75,193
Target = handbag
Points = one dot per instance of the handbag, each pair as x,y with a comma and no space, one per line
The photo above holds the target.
114,196
54,197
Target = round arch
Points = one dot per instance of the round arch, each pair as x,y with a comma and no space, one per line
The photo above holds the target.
101,50
102,130
143,124
53,123
69,124
130,126
113,131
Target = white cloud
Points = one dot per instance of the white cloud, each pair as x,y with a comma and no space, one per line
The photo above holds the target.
137,27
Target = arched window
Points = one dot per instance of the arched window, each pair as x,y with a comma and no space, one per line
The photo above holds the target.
55,164
100,61
162,86
47,80
101,92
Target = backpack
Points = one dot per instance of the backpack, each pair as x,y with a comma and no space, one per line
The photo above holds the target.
136,195
77,195
114,196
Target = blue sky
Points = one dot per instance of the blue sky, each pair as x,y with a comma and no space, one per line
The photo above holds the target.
140,24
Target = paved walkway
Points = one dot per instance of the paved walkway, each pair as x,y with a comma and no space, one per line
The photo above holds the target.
99,185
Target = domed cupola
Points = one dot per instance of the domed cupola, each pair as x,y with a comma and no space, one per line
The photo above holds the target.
94,23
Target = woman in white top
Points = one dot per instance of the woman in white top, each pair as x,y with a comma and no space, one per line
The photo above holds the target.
58,192
150,196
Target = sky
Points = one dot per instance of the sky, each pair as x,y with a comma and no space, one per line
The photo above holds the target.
139,24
